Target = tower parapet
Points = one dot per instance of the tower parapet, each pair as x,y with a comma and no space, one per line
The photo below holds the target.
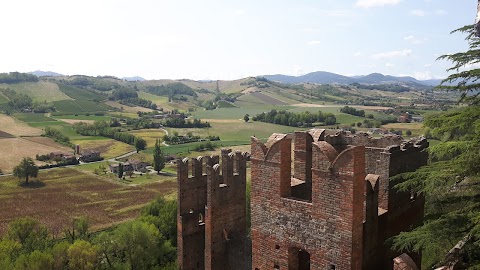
212,212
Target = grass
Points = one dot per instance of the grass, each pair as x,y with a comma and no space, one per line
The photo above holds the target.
84,117
79,106
225,104
234,113
32,117
108,148
38,91
415,128
136,179
80,94
149,135
3,99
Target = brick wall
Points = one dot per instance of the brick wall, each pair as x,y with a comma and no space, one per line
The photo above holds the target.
329,227
212,213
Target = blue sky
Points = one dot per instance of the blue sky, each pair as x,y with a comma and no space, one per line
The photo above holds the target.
213,39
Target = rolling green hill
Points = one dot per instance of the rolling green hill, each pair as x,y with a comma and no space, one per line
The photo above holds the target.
38,91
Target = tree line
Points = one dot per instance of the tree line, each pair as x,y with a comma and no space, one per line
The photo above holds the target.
148,242
102,128
304,119
171,90
17,77
130,98
352,111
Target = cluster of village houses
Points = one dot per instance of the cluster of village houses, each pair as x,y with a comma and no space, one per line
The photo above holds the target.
91,156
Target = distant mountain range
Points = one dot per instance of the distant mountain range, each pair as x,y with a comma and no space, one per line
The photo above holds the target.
320,77
323,77
40,73
134,79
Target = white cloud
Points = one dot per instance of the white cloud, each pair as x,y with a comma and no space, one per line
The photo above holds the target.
389,64
376,3
417,12
440,12
314,42
391,54
414,40
357,54
427,65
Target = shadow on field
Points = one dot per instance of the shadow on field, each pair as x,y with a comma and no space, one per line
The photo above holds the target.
32,184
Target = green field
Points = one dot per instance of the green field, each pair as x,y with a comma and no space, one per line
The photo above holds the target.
38,91
79,106
84,117
136,179
33,117
80,94
3,99
66,129
234,113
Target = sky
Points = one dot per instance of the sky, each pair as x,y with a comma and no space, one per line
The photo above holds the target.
215,39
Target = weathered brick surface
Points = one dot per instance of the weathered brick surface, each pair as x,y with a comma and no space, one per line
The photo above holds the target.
338,210
212,213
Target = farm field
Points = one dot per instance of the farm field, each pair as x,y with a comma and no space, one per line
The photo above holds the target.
415,128
126,108
38,91
79,106
32,117
15,127
65,193
149,135
136,179
12,150
109,148
80,94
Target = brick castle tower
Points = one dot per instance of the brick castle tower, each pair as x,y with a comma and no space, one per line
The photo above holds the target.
331,206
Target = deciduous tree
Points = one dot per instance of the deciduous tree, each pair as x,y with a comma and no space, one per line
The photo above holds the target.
26,169
158,157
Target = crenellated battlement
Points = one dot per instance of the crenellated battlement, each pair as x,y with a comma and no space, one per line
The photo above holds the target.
211,209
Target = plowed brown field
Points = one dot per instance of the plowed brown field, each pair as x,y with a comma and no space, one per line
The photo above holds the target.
62,194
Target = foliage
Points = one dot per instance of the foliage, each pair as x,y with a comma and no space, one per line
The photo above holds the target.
17,102
158,157
82,255
80,93
26,169
120,170
102,128
28,233
163,214
466,80
57,136
246,118
17,77
451,184
304,119
187,138
79,230
204,146
140,144
171,90
182,123
390,87
352,111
